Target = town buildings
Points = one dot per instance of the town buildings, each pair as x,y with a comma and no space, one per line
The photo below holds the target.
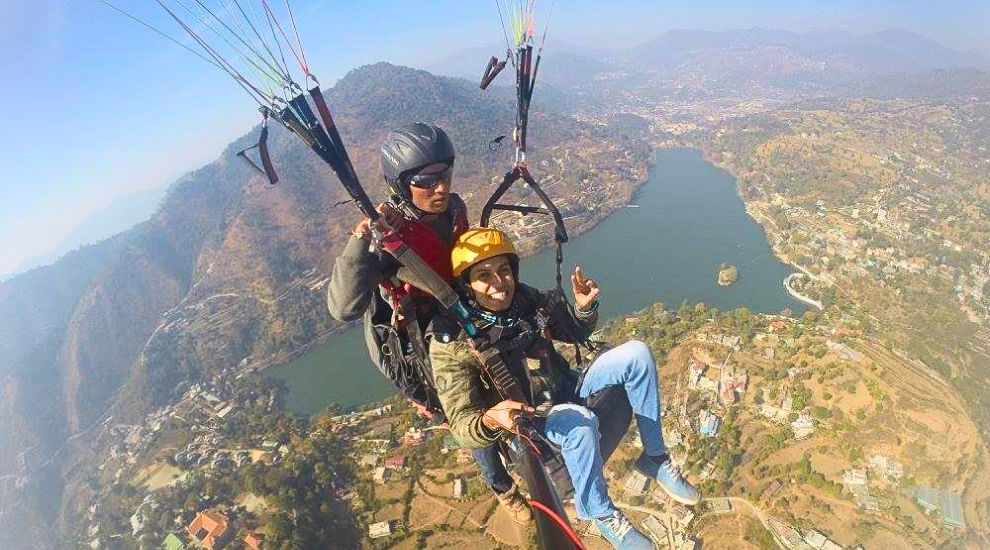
944,502
803,426
636,484
886,467
708,423
210,529
380,529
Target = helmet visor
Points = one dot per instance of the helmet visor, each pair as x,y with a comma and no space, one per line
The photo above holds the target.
431,180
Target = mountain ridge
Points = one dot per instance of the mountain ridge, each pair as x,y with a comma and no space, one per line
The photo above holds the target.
889,50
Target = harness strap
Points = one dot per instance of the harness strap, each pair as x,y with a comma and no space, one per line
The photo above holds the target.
498,372
266,168
415,335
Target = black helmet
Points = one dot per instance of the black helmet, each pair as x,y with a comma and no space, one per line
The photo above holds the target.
408,149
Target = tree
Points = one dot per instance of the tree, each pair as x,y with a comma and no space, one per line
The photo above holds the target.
192,501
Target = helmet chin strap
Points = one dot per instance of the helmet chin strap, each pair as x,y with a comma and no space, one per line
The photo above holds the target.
409,210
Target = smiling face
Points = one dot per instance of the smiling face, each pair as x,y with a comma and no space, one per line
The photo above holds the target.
432,200
493,283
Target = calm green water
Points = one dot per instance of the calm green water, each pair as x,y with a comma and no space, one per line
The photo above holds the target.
689,221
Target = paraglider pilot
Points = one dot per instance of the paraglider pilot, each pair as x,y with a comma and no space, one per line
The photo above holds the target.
417,163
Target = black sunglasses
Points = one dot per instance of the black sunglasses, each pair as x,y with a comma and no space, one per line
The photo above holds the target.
429,181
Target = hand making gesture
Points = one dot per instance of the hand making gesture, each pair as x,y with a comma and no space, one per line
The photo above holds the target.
585,289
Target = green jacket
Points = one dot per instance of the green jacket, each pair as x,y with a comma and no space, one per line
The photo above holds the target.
543,373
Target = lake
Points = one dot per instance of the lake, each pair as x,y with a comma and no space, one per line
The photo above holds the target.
688,220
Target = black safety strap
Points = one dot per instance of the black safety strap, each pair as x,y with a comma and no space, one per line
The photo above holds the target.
497,371
524,93
262,147
560,231
512,176
296,126
330,150
407,308
494,67
332,133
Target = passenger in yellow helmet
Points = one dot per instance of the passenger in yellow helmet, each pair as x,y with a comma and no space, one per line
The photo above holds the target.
584,416
494,264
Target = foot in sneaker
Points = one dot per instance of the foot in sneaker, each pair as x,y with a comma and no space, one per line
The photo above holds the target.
618,530
515,506
669,476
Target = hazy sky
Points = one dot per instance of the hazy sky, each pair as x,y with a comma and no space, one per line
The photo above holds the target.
95,106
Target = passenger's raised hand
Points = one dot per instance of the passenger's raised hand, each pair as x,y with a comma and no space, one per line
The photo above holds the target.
585,289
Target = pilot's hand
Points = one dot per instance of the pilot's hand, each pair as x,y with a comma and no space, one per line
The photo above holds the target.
391,218
502,415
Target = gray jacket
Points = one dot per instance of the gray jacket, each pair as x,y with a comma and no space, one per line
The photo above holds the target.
353,290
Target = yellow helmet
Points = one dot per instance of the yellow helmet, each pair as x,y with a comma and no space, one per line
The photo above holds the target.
478,245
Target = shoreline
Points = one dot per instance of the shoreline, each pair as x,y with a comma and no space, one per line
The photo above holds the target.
797,295
264,364
762,221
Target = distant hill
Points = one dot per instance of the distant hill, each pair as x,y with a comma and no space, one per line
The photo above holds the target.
121,214
693,63
941,84
845,54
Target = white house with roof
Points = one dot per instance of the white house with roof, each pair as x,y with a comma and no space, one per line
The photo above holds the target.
636,483
380,529
803,426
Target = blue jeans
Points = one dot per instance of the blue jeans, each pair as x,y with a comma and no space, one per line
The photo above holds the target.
575,428
492,469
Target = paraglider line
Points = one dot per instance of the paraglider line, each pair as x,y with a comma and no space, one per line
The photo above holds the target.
240,28
302,64
543,41
162,34
224,65
295,30
502,21
264,44
261,70
278,44
260,57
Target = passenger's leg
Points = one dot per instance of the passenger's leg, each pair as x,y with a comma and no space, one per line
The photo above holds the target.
492,469
611,406
631,366
495,475
575,429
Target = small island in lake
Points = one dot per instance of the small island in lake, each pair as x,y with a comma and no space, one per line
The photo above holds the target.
727,274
